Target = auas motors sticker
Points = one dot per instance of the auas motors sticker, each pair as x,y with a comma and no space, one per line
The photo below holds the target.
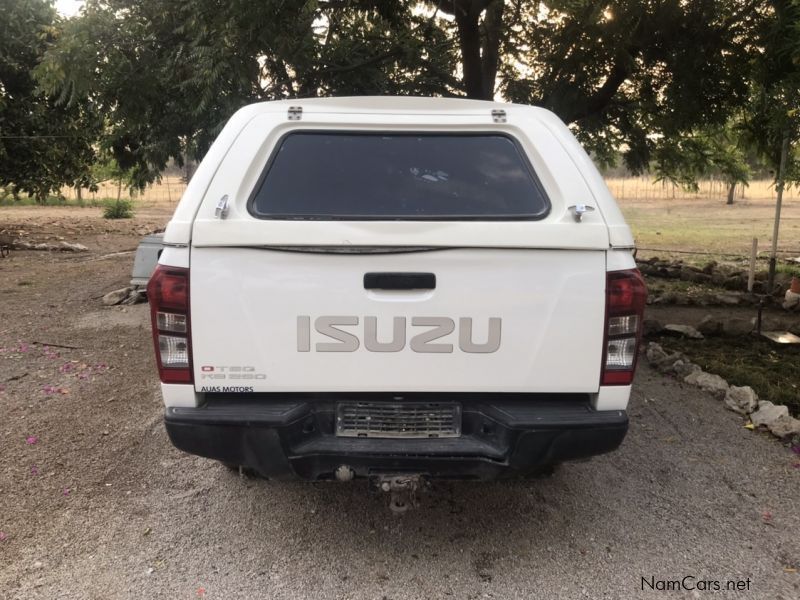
229,373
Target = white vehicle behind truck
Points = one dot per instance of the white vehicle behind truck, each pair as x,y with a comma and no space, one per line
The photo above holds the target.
396,287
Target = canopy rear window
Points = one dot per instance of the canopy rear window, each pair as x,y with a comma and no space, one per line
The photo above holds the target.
360,176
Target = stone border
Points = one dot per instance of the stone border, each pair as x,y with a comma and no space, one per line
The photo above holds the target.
743,400
724,285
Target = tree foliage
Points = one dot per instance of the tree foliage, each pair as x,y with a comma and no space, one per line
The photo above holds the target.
673,85
774,104
168,80
42,145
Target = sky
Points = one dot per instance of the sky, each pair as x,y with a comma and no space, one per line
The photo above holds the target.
68,8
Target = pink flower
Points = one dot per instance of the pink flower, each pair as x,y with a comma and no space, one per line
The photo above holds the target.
23,347
65,492
66,368
3,536
31,440
49,389
34,470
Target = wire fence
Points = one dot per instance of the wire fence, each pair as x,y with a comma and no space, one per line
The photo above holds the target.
645,189
169,190
166,192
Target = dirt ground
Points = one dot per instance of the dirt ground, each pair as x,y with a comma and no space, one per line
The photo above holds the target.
95,502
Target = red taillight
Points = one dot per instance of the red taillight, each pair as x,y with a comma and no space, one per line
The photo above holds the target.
168,294
625,299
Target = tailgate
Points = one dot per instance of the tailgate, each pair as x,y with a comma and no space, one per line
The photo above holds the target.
497,320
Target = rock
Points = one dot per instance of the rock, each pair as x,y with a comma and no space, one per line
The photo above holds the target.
768,413
661,360
136,296
718,278
655,352
115,297
710,326
698,277
67,247
736,282
709,267
790,300
646,269
708,382
651,327
667,365
729,299
684,368
742,400
737,326
670,272
785,426
684,330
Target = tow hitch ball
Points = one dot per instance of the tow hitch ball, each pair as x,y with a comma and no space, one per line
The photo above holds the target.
402,489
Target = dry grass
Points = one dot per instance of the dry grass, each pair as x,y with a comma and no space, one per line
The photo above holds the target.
702,222
164,193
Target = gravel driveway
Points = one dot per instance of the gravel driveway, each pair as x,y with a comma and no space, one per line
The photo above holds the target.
95,503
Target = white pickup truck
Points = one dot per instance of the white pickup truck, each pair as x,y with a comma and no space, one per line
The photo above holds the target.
374,287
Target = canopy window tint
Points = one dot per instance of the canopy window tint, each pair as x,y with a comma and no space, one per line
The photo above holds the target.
356,176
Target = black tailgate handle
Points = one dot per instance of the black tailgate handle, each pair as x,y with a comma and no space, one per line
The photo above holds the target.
399,281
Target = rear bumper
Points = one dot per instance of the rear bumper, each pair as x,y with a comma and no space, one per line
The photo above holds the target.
292,435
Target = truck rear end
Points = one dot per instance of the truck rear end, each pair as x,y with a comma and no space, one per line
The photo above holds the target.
382,286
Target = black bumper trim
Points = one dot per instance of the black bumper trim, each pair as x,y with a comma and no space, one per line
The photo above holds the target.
292,435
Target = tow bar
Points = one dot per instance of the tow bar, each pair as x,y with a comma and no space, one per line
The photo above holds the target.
403,490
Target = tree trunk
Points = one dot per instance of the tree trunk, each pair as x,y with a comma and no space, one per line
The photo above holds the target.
469,39
731,191
490,46
479,43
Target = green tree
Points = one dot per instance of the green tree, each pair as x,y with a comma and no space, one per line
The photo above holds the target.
718,151
774,103
753,138
43,146
629,76
169,79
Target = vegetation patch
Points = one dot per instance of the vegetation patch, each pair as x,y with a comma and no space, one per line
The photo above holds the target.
772,371
118,209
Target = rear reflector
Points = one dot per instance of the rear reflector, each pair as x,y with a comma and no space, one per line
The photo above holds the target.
625,300
168,294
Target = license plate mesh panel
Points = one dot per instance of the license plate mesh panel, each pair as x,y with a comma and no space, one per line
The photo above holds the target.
398,419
